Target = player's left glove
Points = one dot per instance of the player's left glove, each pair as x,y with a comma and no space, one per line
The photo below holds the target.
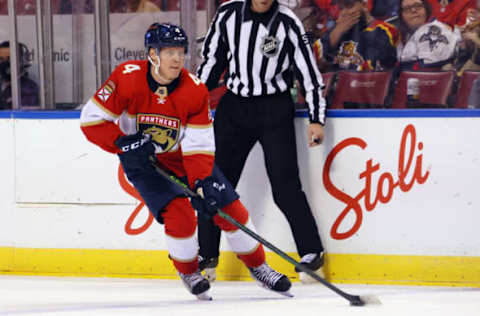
211,192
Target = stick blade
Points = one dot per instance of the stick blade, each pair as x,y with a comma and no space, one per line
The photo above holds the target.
363,300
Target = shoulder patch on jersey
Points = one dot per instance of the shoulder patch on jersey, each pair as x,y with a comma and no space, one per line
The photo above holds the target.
106,91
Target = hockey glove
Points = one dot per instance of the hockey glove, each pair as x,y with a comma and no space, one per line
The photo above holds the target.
211,192
136,152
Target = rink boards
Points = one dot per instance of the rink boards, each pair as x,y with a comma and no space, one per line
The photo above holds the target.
395,195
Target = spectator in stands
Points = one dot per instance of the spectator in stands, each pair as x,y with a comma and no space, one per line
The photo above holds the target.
28,88
359,41
380,9
383,9
451,12
129,6
424,43
28,7
23,7
327,14
69,6
469,56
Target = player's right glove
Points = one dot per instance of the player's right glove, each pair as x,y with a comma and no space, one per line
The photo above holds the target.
210,193
136,151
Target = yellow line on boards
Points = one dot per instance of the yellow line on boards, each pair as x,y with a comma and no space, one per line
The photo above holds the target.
340,268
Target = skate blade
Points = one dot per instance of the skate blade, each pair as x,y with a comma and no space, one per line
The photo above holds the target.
286,293
204,296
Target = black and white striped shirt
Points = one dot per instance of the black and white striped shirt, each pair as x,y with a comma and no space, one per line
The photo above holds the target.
259,51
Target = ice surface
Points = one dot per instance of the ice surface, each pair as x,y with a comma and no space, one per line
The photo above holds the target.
34,295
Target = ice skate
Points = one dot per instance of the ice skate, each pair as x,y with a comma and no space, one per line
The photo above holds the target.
271,279
197,285
208,266
313,261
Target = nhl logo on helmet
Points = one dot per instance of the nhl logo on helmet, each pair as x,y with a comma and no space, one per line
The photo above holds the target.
269,47
165,35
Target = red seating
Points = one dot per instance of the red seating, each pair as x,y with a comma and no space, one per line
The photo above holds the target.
464,88
215,96
27,7
327,81
434,88
171,5
174,5
361,88
20,7
3,7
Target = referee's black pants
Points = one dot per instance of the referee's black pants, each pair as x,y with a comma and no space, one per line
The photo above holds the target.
241,122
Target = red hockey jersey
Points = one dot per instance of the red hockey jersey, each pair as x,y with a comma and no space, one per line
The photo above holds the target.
179,122
455,13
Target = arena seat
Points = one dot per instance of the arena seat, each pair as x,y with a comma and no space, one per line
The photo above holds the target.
464,88
361,89
25,7
174,5
215,96
327,81
434,88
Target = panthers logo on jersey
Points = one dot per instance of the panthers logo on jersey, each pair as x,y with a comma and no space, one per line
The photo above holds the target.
164,130
348,55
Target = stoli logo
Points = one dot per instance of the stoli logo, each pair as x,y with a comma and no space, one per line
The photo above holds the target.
386,180
128,188
362,84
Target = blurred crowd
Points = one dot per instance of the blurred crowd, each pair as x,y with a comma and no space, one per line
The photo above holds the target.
396,36
28,7
356,35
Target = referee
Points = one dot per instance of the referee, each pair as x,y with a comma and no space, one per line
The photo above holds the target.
259,43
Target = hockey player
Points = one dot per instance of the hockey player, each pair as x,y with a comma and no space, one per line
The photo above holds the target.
158,109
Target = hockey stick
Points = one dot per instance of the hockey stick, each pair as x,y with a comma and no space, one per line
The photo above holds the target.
355,300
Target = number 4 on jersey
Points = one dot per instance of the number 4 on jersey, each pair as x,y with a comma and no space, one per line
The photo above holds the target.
130,68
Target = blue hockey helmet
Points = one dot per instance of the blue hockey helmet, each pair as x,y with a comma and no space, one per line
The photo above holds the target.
161,35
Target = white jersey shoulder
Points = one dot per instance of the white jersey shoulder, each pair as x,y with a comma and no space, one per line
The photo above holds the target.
433,42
